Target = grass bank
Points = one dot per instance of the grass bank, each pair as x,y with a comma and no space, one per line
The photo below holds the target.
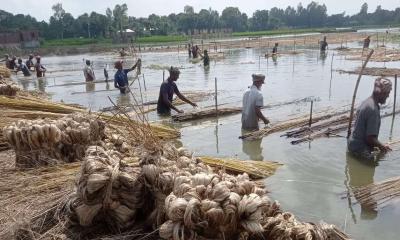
288,31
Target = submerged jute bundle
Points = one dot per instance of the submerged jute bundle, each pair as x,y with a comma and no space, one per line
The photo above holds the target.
107,191
8,87
44,141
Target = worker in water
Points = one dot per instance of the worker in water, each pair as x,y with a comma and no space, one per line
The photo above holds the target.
121,76
123,53
22,67
88,72
253,101
6,60
367,41
195,51
11,63
29,62
167,90
189,50
275,49
324,45
39,68
206,59
105,71
364,139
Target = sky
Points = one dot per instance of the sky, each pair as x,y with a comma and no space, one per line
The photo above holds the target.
41,9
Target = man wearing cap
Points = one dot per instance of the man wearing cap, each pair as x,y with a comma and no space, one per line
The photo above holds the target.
22,67
29,62
88,72
39,68
121,76
252,102
364,138
11,63
167,90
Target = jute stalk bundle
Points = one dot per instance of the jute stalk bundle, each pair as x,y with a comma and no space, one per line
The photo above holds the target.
205,113
8,87
375,71
107,190
378,194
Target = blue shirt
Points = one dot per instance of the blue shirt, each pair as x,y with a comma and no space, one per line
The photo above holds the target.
121,78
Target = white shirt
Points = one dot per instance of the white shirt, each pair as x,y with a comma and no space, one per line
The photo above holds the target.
89,74
252,98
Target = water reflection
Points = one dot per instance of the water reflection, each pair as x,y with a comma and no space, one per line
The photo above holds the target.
123,99
323,55
275,60
252,148
90,87
360,173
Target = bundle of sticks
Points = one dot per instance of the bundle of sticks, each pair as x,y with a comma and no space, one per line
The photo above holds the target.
374,71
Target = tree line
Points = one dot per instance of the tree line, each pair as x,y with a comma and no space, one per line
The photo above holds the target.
97,25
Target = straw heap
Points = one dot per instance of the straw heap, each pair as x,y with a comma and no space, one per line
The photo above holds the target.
4,72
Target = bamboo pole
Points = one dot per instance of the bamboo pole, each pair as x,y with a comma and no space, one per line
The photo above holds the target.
311,111
144,83
216,98
395,95
163,75
140,89
332,65
355,92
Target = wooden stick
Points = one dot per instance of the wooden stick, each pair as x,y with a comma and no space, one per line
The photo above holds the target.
140,89
332,64
163,75
311,110
216,98
355,92
395,95
144,83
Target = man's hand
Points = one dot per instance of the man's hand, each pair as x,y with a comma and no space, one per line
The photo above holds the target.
385,148
266,121
193,104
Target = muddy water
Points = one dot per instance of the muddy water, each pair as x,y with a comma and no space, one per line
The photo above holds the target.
315,175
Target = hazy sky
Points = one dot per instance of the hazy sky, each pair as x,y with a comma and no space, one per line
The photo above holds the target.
41,9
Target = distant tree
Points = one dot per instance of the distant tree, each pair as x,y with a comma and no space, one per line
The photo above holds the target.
188,9
120,14
58,18
259,20
231,17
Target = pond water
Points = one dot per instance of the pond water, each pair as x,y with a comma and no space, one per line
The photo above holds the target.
315,175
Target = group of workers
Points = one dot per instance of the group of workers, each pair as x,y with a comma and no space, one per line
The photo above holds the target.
194,50
25,67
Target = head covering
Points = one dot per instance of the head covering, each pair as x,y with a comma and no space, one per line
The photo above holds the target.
19,60
87,62
258,77
174,71
382,86
38,57
30,56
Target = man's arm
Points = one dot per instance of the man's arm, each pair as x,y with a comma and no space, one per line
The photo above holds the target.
136,64
260,115
372,141
169,103
183,98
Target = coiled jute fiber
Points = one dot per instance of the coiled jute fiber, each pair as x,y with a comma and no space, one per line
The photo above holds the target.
107,191
46,141
8,87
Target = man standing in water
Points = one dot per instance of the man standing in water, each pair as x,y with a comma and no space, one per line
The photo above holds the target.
364,138
22,67
367,41
29,62
39,68
121,76
88,72
167,90
324,45
206,59
253,101
275,49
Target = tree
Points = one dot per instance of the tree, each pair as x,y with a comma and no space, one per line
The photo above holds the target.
120,14
188,9
232,18
260,20
58,17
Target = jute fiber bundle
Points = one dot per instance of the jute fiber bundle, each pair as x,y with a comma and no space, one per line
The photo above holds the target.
159,171
46,141
8,87
4,72
107,191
